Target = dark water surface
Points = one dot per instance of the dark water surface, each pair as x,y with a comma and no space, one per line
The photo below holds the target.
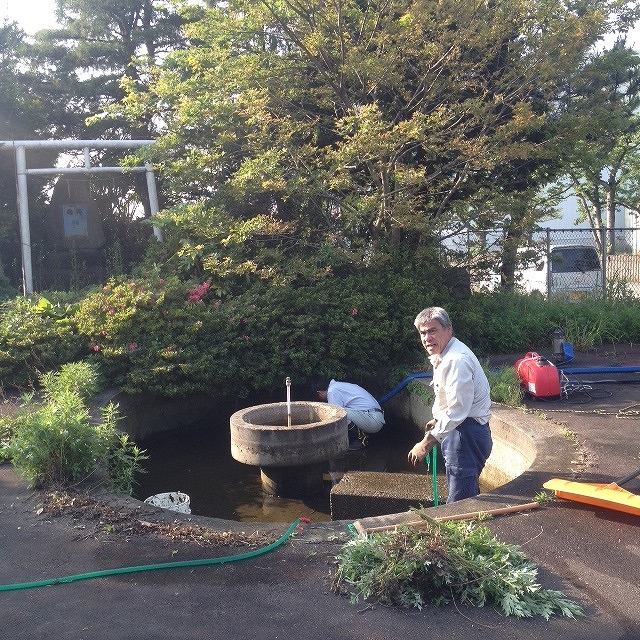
197,461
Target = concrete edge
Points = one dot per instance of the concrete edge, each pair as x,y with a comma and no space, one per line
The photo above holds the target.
553,455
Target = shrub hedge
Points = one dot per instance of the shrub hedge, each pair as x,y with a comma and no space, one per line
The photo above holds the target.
174,338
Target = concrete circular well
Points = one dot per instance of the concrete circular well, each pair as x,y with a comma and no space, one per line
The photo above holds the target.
289,454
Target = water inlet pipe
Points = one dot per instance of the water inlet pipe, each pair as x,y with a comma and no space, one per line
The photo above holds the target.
403,384
288,383
156,567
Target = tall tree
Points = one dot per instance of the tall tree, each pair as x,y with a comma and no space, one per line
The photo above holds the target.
359,124
24,114
604,141
101,45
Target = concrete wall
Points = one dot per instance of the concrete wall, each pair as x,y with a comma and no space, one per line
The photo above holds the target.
518,437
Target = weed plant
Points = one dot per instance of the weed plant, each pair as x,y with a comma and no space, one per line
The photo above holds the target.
505,385
444,562
55,442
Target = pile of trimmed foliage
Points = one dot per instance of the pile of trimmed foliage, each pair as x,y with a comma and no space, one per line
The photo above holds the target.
445,562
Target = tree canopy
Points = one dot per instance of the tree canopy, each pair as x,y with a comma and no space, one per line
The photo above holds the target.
358,126
603,155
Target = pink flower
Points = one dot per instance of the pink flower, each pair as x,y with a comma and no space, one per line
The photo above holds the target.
216,304
198,292
245,337
133,346
245,320
354,312
103,334
168,348
232,320
111,312
132,284
106,288
161,281
96,347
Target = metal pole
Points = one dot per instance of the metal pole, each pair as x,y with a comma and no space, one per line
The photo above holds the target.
153,198
549,265
23,216
78,144
605,253
21,169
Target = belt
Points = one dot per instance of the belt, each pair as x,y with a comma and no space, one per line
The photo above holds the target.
378,410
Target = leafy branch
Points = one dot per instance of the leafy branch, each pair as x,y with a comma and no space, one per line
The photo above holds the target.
445,562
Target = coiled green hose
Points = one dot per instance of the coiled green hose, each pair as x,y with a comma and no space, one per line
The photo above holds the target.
154,567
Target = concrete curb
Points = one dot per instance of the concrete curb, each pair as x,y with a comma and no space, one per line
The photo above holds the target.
537,443
532,449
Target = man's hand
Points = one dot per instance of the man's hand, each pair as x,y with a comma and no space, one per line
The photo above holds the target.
430,425
418,453
421,449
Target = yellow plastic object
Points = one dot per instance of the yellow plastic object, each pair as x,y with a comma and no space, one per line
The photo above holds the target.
609,496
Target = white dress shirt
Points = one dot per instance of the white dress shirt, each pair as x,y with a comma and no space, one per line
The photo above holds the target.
350,396
461,389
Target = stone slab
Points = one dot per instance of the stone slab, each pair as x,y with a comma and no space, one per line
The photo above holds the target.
361,494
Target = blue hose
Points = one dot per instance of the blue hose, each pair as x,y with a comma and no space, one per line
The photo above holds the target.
403,384
570,371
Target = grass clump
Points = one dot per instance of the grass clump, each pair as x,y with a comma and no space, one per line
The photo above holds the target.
55,442
505,385
445,562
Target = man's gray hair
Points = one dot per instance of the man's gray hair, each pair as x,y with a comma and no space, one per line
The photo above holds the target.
433,313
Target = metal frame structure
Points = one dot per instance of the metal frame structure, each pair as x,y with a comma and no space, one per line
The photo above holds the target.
20,147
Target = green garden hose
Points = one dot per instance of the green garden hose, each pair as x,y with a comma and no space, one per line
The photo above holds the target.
154,567
434,477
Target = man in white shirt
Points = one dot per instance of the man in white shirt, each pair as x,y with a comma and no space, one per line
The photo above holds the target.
461,410
363,410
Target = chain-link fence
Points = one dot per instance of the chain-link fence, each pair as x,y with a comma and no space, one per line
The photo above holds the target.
573,263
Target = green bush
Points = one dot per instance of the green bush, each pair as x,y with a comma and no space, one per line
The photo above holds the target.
33,342
506,387
79,377
55,442
173,337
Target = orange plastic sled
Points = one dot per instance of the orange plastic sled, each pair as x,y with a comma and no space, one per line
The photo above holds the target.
609,496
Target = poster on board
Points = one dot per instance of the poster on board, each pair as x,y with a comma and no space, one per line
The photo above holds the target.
74,218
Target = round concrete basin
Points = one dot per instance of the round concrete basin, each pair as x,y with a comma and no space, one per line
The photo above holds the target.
290,456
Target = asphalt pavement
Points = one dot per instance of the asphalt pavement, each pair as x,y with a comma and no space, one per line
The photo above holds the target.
590,553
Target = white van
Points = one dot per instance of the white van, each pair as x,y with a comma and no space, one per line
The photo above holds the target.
573,271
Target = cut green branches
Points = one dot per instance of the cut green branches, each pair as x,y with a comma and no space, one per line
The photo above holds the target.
446,562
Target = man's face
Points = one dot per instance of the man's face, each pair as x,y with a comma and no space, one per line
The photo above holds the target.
434,337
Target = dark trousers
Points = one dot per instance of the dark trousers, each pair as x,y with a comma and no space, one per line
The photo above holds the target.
465,451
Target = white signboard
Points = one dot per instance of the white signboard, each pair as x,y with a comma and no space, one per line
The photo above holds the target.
74,218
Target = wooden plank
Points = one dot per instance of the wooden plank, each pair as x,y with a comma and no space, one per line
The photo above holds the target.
450,518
